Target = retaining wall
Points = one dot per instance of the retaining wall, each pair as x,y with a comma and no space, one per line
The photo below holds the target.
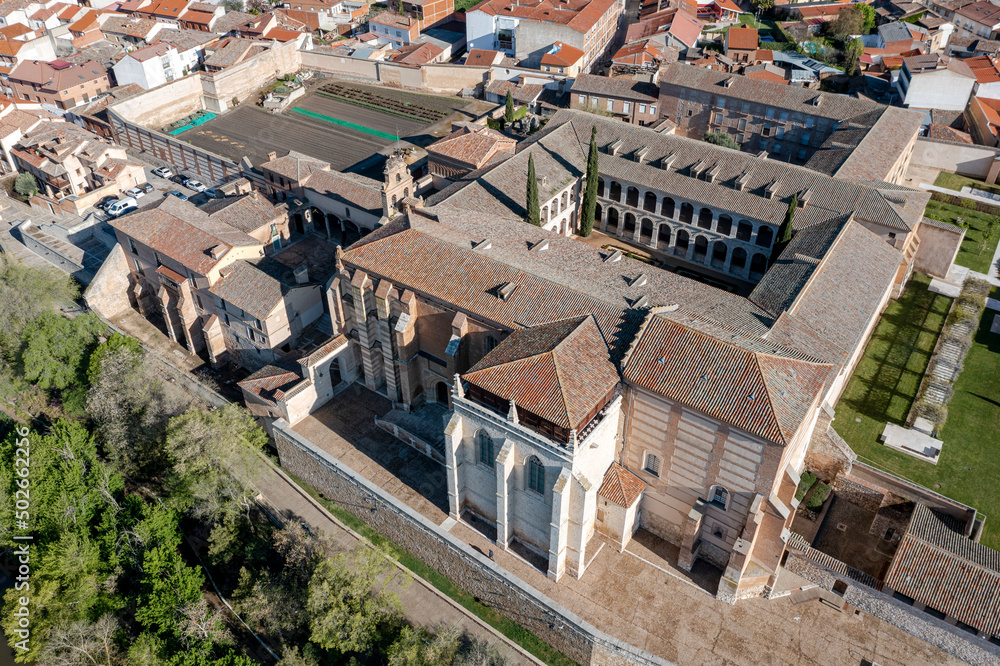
968,160
475,573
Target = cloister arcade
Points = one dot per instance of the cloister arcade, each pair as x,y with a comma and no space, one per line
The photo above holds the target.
694,232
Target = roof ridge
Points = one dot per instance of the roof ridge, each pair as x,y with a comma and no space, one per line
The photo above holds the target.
770,402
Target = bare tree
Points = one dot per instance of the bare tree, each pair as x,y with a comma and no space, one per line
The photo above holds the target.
200,624
83,643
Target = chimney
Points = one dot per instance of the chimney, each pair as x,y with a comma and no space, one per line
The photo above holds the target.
301,274
272,156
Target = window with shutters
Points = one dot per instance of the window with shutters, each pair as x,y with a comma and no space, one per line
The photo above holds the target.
652,464
536,475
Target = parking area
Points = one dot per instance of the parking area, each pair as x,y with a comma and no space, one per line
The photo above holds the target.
161,186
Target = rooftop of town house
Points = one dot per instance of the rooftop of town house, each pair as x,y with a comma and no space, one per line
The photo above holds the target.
470,144
580,15
622,88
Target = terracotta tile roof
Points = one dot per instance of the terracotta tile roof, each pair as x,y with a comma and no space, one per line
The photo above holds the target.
199,18
946,133
764,390
417,54
766,72
985,69
247,213
580,15
938,565
621,486
179,230
742,38
394,20
156,50
251,288
525,94
562,55
561,371
686,29
231,20
50,78
229,52
622,88
270,383
470,145
127,26
650,26
332,345
482,57
638,54
294,166
981,12
87,22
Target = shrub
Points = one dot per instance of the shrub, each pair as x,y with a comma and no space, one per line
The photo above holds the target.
25,184
819,494
722,139
959,201
805,483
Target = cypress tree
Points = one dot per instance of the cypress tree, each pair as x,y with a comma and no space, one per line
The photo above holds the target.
508,113
534,214
590,193
785,233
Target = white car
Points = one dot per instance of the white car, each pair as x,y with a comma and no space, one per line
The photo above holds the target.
122,206
163,172
135,193
195,185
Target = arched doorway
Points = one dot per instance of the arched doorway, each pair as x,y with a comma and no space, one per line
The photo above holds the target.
682,242
719,253
629,227
616,191
646,231
725,225
764,236
598,215
632,197
299,223
758,265
441,393
739,261
744,231
600,187
700,248
613,220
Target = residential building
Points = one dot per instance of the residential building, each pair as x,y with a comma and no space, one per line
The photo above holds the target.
224,290
201,16
150,66
14,124
58,83
984,120
987,71
428,13
967,47
833,134
740,44
977,19
683,33
934,81
523,93
395,29
641,56
135,32
469,147
231,51
632,101
75,168
527,32
563,59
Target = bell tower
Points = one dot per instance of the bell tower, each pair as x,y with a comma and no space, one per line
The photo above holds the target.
398,185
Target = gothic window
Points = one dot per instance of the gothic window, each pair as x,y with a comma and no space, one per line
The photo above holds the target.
720,497
652,464
536,475
485,442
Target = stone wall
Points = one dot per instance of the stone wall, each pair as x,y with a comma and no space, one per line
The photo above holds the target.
937,632
477,574
107,294
939,244
968,160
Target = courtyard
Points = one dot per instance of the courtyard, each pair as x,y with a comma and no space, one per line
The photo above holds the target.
886,381
639,595
346,134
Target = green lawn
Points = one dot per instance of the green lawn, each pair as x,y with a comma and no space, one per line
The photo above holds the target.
969,254
883,387
953,181
748,21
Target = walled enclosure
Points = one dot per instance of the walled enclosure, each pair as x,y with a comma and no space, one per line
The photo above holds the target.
476,574
939,245
974,161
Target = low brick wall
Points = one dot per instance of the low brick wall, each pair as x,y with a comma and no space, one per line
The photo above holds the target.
477,574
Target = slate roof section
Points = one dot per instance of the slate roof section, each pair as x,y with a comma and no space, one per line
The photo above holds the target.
939,566
251,288
764,391
247,213
623,88
561,371
621,486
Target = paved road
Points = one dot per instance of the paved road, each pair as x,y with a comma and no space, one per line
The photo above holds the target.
424,604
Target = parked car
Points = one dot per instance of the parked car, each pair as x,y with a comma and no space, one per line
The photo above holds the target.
105,202
122,206
179,179
214,193
145,187
135,192
163,172
195,185
176,193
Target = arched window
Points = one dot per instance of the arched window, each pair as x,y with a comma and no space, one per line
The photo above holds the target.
764,236
682,242
646,231
725,225
667,207
652,464
598,213
600,187
485,444
398,178
700,248
629,227
663,242
744,230
491,343
720,497
739,259
705,218
616,191
613,219
632,196
649,202
687,212
536,475
758,264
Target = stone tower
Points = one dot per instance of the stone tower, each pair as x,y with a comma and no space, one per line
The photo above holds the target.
398,185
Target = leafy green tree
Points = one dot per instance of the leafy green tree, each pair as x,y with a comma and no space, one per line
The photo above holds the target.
349,602
720,138
852,55
233,5
589,207
56,349
508,114
25,293
764,5
292,656
419,647
168,585
214,456
868,11
850,20
534,215
25,184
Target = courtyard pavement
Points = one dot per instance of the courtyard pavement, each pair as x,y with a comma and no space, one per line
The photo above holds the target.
638,596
